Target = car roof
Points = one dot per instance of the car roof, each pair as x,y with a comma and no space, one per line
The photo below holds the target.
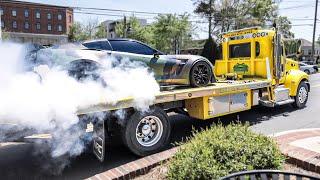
112,39
121,39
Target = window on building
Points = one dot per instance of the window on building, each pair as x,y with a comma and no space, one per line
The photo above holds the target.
2,24
26,25
59,28
49,27
1,11
14,13
14,24
309,51
38,15
59,16
70,19
240,50
38,26
26,13
49,15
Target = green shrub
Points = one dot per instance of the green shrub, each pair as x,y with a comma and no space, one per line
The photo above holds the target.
219,151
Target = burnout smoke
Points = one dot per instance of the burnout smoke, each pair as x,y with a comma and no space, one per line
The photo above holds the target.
47,101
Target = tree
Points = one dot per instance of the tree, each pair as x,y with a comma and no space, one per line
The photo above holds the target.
210,50
90,28
134,30
101,32
77,32
234,14
284,26
206,9
171,32
84,31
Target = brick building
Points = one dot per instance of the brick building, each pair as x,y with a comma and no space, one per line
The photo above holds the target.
35,22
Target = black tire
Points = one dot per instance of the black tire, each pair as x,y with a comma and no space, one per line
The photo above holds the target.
135,124
201,74
307,71
300,99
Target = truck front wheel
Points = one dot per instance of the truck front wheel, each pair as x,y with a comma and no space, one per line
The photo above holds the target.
147,132
302,95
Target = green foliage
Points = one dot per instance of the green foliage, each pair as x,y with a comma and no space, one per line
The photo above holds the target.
284,26
101,32
171,31
220,151
77,33
5,36
234,14
84,31
210,50
134,30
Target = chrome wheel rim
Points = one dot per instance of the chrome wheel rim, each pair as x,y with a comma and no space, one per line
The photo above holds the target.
201,74
149,131
303,94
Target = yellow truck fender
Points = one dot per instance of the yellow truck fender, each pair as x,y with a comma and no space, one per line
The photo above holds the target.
293,79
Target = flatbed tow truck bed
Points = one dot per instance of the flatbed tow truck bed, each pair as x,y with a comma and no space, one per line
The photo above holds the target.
214,89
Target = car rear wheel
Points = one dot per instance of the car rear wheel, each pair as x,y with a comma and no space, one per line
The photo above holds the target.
307,71
148,132
200,74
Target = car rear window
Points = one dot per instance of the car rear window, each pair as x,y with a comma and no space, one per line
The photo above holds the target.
131,47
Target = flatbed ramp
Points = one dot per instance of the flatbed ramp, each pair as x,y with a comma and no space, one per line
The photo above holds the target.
215,89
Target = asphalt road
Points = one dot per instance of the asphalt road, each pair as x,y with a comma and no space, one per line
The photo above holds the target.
17,161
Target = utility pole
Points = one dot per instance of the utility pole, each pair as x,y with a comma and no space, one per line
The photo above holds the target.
210,18
124,27
0,27
314,30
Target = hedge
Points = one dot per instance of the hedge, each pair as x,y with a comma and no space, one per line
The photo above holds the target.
220,151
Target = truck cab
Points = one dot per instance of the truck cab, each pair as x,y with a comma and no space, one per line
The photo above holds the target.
255,53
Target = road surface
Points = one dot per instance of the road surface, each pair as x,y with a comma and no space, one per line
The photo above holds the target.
17,161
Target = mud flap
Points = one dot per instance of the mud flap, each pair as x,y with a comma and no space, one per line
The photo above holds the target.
99,140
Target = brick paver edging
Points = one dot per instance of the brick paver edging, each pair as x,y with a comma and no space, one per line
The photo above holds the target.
301,157
136,168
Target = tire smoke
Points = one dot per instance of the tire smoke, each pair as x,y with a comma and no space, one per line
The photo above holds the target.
47,101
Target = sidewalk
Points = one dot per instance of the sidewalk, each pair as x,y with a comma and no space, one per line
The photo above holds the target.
302,148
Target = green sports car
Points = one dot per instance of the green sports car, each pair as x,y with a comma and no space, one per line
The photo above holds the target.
190,70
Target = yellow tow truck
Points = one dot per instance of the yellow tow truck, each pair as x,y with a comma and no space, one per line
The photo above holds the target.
253,71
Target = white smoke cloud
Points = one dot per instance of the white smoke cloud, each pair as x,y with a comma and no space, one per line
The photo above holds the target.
48,103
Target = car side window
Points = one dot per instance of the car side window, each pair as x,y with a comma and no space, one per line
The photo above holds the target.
132,47
101,45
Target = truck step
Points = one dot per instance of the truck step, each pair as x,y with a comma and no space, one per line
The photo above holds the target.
273,104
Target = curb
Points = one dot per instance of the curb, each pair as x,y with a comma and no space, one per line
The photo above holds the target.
301,157
137,167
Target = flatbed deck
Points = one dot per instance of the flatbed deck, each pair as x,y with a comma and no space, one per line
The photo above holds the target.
214,89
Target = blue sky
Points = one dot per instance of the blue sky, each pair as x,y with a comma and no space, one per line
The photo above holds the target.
300,12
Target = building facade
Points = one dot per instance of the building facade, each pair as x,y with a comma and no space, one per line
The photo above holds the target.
306,50
34,22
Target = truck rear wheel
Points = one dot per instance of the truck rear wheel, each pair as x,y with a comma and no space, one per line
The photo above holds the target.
302,95
147,133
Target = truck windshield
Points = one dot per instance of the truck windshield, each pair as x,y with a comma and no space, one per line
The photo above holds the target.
240,50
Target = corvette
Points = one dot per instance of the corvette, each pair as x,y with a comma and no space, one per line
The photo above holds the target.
81,62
